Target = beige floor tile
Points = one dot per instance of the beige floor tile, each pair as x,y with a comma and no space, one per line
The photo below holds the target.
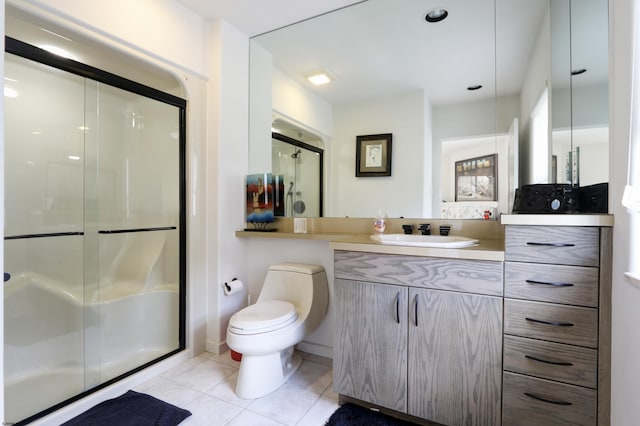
248,418
320,412
203,375
208,411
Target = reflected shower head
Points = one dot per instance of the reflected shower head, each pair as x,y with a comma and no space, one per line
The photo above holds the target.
296,154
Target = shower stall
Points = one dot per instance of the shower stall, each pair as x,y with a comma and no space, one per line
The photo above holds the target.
300,166
94,280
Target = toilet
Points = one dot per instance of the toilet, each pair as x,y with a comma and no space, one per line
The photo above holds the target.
292,303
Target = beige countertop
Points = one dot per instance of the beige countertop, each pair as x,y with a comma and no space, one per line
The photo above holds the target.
557,219
487,249
354,233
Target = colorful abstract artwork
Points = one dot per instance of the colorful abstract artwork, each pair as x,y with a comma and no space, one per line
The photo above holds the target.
260,200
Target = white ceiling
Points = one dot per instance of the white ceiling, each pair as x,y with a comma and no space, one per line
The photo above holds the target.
254,17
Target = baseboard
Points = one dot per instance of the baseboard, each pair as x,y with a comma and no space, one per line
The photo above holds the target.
216,348
316,349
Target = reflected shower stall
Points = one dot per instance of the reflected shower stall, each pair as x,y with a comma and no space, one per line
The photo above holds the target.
94,231
299,165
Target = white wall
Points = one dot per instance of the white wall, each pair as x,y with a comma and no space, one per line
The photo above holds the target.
403,116
226,170
625,362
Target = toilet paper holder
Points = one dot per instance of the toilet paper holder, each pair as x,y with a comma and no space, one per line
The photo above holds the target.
233,286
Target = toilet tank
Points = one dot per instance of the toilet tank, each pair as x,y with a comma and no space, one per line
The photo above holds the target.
296,283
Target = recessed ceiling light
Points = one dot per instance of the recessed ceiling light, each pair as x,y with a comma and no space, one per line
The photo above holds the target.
578,71
475,87
436,15
320,77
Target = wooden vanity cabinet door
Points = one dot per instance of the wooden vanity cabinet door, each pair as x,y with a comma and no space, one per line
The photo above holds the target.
455,357
370,360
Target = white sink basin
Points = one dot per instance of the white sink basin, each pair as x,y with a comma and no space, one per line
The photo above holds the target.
440,241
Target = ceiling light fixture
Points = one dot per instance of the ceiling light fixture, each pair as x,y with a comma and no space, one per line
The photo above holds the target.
320,77
475,87
436,15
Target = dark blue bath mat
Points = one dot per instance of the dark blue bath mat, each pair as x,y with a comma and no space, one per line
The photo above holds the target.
131,409
354,415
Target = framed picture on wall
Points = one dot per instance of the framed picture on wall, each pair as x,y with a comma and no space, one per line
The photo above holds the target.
373,155
476,179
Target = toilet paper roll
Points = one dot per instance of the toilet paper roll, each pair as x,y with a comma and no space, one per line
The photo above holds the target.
232,287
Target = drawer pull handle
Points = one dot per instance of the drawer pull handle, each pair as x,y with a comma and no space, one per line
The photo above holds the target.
549,283
398,307
568,364
416,309
550,401
530,243
554,323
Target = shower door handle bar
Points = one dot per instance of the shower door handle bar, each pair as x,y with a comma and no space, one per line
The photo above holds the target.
51,234
126,231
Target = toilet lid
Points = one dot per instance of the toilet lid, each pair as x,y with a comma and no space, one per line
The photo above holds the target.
262,317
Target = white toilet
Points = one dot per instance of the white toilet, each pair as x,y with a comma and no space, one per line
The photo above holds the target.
292,303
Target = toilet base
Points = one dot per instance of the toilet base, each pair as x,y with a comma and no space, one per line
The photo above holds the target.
260,375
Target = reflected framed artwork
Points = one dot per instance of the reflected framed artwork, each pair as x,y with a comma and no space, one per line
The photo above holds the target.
373,155
476,179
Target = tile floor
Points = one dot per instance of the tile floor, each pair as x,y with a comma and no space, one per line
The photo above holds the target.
205,386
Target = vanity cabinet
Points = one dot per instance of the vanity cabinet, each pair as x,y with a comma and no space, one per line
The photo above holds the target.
557,325
420,335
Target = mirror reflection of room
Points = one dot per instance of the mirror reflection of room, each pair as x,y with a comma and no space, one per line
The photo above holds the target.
448,91
298,163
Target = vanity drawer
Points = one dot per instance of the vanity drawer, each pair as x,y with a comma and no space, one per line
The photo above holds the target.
439,273
554,361
562,245
572,285
532,401
557,323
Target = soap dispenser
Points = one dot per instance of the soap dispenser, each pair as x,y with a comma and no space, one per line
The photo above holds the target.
380,223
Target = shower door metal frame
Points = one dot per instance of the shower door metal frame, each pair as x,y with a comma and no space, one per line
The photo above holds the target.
30,52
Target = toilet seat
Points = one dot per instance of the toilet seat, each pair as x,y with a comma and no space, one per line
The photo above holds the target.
263,317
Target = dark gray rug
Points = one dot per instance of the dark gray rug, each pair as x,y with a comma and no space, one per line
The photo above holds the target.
354,415
131,409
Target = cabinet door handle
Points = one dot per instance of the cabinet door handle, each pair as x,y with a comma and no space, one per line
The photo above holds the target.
416,309
549,283
554,323
568,364
550,401
532,243
398,307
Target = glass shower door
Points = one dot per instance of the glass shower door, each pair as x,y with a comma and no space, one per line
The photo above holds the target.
133,202
44,270
94,234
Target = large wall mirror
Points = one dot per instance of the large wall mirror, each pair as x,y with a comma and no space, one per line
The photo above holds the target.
498,94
